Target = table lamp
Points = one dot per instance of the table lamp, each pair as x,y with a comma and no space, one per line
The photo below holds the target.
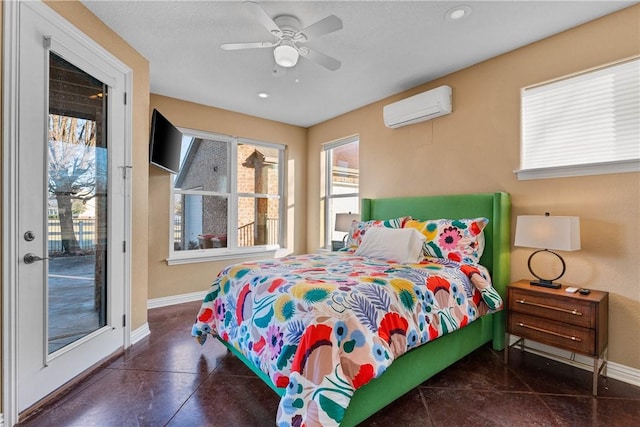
343,223
548,233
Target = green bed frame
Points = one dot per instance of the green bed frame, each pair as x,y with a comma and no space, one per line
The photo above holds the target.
420,364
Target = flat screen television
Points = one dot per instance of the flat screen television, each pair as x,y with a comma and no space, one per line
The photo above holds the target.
165,143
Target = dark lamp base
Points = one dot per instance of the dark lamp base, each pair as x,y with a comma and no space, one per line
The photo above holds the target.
545,284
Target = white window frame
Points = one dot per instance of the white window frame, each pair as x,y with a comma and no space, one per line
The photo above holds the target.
232,251
327,151
538,102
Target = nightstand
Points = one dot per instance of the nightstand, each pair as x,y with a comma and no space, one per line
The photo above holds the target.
569,321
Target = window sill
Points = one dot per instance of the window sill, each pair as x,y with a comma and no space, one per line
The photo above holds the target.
624,166
210,255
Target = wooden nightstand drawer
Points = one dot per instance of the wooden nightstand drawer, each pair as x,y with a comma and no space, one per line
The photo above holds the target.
557,334
560,308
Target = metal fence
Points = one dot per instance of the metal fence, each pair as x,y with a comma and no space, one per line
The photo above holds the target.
84,229
177,228
246,233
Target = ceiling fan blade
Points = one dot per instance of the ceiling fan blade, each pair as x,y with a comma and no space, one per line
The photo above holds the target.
249,45
326,61
261,15
324,26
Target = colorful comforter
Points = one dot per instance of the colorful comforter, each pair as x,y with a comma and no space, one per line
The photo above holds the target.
323,325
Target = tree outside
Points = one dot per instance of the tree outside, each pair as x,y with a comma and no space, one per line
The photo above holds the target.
72,171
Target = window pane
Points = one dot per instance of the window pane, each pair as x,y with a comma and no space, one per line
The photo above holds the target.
258,221
210,208
257,169
204,166
77,204
200,222
342,165
344,168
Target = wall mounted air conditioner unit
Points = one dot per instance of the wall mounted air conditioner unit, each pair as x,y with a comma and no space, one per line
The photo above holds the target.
418,108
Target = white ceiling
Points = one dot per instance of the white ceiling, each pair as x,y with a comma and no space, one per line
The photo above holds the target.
385,47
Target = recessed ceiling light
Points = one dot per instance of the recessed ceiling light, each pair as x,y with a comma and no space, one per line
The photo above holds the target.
457,13
263,95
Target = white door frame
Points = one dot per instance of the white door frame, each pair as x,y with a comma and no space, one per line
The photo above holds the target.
10,233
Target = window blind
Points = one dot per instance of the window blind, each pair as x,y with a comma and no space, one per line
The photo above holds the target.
592,118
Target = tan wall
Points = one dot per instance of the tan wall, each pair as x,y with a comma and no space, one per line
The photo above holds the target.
165,280
476,149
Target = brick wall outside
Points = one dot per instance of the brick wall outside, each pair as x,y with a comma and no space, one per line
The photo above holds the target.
208,171
261,172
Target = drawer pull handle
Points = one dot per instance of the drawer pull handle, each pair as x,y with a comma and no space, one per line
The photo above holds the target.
546,331
550,307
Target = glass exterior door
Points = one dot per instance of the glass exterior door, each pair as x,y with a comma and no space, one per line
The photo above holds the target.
69,227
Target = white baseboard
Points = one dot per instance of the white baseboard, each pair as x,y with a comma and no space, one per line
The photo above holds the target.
176,299
614,370
140,333
143,331
623,373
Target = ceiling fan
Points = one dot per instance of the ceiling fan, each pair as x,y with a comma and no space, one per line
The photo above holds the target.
288,46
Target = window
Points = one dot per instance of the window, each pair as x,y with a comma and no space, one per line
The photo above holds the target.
227,197
582,125
341,185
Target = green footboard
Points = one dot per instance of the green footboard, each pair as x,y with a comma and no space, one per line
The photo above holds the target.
414,367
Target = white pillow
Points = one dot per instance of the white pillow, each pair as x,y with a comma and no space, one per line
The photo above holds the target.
403,245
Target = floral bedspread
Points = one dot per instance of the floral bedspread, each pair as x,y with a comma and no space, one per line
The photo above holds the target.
323,325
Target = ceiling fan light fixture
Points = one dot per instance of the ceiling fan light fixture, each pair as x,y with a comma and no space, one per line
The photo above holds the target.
285,55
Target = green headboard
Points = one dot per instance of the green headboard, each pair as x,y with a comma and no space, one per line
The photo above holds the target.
494,206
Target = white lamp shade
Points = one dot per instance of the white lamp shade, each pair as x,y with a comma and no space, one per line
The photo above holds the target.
344,220
285,55
560,233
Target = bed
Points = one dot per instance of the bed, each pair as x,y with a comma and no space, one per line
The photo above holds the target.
353,387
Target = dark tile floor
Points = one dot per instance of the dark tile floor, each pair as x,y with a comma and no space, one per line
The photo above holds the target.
167,379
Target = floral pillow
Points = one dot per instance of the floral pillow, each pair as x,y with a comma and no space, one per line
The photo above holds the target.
460,240
359,229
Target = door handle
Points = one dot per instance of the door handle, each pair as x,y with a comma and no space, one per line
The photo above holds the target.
31,258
